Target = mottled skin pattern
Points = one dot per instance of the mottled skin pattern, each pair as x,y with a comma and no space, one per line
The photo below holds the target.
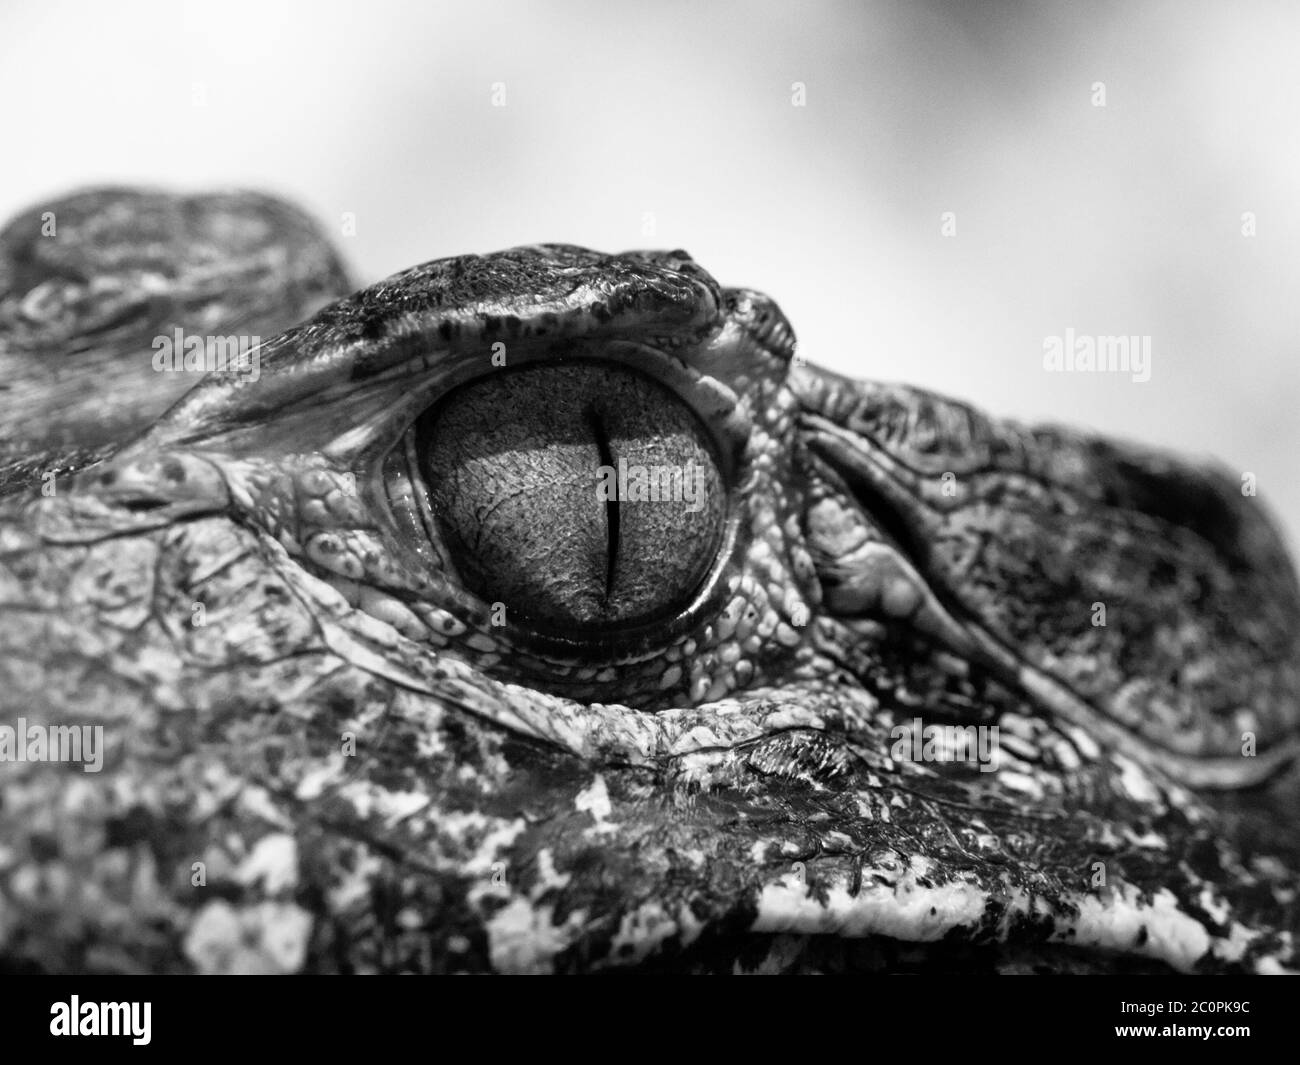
373,773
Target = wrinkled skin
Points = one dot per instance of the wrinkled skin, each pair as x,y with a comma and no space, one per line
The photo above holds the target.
325,753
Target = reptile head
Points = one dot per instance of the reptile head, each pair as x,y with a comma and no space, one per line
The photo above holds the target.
551,593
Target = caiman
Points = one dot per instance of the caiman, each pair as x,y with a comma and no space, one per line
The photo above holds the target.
385,681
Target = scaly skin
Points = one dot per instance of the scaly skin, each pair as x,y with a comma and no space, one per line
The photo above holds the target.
299,693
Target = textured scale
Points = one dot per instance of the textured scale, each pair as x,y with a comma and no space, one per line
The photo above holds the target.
379,771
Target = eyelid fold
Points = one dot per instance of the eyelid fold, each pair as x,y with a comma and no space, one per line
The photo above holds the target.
440,317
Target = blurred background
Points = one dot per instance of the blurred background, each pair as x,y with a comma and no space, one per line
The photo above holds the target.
929,189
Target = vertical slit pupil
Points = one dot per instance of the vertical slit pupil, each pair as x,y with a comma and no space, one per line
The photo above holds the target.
611,505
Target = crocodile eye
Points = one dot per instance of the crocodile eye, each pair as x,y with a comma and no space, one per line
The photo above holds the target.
582,495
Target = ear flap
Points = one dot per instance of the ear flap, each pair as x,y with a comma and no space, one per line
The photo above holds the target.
1012,537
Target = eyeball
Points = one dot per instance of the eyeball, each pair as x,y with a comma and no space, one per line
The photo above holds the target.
584,495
